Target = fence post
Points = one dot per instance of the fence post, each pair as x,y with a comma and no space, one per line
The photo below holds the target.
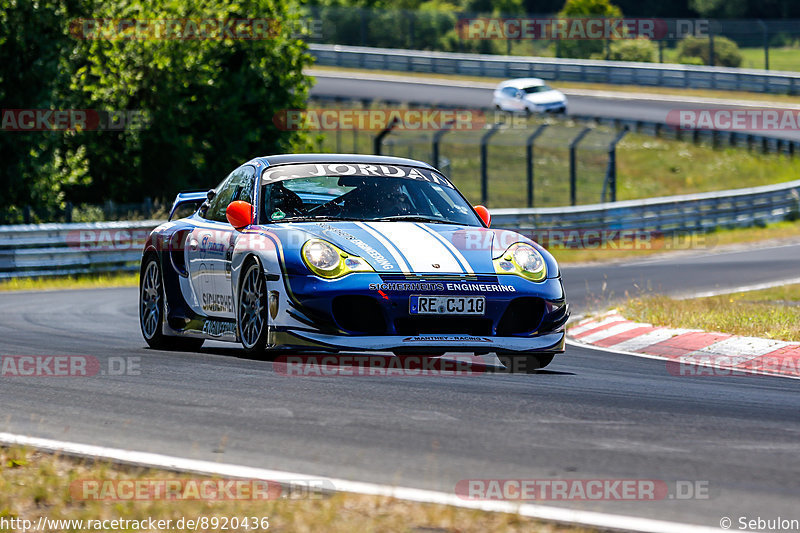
611,171
484,161
573,179
437,139
378,140
711,49
529,159
766,43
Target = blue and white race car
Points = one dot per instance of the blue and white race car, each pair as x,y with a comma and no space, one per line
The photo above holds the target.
333,252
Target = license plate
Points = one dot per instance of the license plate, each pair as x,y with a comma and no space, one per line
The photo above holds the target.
446,305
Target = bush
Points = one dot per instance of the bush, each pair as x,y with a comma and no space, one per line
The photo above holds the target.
726,52
640,49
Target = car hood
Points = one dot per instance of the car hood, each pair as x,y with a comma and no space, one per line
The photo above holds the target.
547,97
407,247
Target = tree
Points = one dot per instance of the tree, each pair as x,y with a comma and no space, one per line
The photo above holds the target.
36,168
583,49
209,101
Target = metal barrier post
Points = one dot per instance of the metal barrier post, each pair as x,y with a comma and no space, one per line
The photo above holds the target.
484,161
611,171
378,140
573,178
437,139
766,43
529,159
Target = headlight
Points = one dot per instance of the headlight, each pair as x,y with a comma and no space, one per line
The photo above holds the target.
327,261
321,255
523,260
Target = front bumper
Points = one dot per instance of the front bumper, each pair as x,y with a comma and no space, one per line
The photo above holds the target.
419,344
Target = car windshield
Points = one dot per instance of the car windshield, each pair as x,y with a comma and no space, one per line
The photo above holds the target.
298,193
537,89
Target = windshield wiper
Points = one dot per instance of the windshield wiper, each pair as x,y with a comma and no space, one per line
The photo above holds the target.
301,218
411,218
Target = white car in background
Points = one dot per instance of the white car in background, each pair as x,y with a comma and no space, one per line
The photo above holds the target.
529,95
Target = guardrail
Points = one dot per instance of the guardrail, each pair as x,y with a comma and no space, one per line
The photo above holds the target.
29,250
582,70
58,249
667,214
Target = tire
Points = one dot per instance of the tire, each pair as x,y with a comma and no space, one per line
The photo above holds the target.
251,312
151,311
525,364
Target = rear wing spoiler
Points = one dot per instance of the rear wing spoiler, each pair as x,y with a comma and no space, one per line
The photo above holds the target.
184,198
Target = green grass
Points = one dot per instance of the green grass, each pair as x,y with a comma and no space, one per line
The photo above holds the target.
783,58
83,281
35,484
770,313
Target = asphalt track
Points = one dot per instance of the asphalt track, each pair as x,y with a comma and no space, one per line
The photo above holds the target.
591,415
479,95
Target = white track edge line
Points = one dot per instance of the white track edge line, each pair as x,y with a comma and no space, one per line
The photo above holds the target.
745,288
543,512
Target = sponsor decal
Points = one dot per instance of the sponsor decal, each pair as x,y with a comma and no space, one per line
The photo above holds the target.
480,287
406,287
352,169
369,250
216,303
218,328
214,248
446,338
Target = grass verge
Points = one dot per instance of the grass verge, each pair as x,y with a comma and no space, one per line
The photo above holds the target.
770,313
35,484
82,281
698,242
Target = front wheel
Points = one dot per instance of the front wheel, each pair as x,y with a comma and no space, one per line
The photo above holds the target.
151,311
252,310
525,364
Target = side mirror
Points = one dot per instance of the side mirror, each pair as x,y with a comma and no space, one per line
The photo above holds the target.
484,214
518,95
239,214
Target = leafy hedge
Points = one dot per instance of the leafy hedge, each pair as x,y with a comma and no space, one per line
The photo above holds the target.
208,103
